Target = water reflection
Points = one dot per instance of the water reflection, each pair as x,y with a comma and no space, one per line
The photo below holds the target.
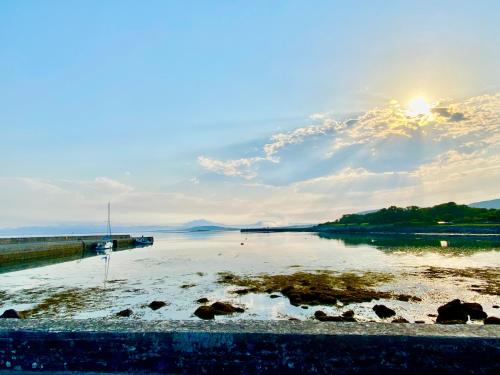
419,243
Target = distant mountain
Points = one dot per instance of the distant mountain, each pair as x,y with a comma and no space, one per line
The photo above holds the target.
210,228
493,203
68,229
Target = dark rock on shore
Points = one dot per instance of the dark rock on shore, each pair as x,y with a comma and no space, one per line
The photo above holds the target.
407,298
202,300
323,317
241,291
125,313
221,308
456,312
495,306
205,312
452,312
492,320
348,314
383,311
274,296
400,320
216,308
475,310
155,305
11,314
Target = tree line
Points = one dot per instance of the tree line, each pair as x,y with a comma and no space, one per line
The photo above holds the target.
451,213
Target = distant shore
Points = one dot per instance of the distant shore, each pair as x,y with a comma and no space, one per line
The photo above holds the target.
462,229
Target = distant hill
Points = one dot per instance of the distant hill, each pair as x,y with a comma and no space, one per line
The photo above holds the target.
493,203
72,229
413,215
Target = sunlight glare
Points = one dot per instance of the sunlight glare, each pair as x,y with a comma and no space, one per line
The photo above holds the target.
418,106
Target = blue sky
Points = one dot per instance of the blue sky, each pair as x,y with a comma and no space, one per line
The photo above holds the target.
163,107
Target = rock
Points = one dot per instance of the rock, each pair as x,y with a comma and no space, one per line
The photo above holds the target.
319,314
383,311
155,305
492,320
11,314
205,312
452,311
125,313
241,291
432,315
216,308
294,319
419,322
348,314
222,308
202,300
455,312
274,296
400,320
322,317
451,321
304,307
495,306
407,298
474,310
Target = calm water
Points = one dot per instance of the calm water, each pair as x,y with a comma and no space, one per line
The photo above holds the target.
181,268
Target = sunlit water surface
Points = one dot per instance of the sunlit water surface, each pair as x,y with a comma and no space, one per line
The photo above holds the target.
181,268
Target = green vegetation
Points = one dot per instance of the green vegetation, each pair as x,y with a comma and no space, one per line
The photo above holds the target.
322,287
450,213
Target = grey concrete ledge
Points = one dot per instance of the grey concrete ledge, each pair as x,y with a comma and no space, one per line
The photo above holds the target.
252,326
247,347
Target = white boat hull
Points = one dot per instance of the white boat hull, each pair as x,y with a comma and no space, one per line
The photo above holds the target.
104,247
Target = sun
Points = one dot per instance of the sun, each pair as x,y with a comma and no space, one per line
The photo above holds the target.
418,106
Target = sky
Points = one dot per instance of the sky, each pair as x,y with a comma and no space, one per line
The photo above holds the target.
280,112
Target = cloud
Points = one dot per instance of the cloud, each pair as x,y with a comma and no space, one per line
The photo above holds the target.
240,167
245,167
379,158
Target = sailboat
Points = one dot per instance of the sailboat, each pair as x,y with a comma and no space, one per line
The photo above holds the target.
105,246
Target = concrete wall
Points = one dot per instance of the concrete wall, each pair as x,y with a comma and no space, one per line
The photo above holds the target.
20,253
247,347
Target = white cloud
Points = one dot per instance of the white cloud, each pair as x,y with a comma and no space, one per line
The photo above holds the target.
464,166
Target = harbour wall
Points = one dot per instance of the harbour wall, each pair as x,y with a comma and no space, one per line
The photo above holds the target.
249,347
23,252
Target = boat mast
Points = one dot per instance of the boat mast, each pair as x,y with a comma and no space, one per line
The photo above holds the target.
109,220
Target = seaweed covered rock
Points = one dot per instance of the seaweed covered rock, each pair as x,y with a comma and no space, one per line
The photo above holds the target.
315,288
492,320
323,317
202,300
474,310
222,308
400,320
348,314
452,313
383,311
124,313
155,305
205,312
216,308
456,312
11,314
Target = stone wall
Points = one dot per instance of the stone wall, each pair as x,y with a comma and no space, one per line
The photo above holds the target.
247,347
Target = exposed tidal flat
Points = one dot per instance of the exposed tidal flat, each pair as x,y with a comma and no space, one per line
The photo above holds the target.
265,276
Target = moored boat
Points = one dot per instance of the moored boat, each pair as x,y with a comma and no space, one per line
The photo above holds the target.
105,246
